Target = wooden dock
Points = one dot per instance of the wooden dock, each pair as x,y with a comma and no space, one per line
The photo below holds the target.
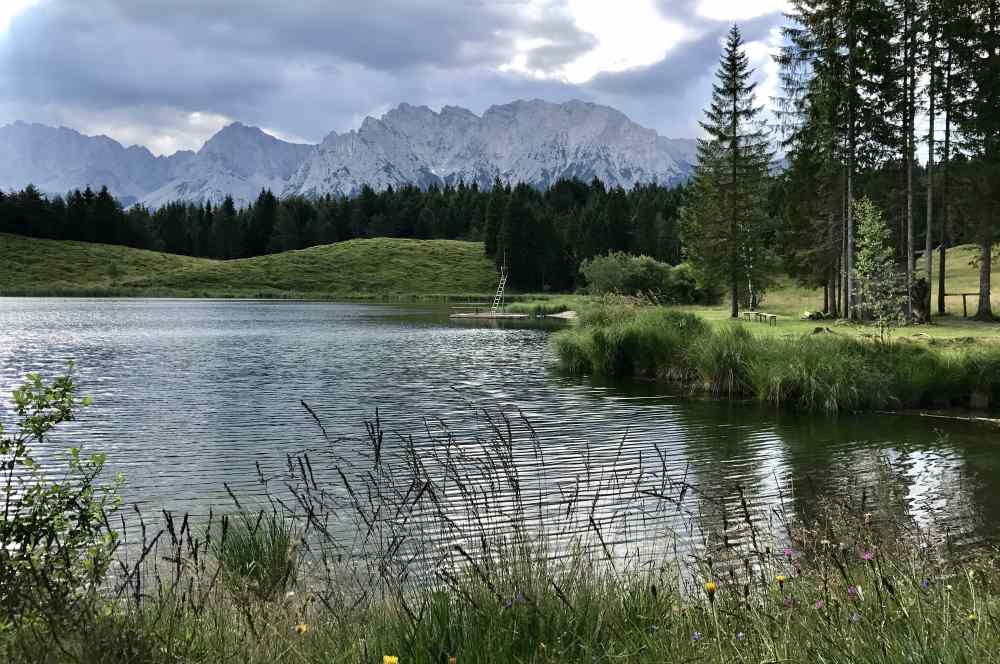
488,315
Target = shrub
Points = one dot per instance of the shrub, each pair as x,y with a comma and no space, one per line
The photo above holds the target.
55,544
625,274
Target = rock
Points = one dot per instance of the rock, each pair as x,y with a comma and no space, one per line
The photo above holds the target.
822,330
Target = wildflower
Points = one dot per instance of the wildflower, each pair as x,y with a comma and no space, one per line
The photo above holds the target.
788,553
854,592
390,659
868,518
696,636
825,542
740,636
781,580
301,628
971,617
820,605
926,583
948,588
855,617
789,602
710,588
867,556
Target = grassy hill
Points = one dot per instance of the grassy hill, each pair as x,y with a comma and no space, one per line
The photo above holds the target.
381,267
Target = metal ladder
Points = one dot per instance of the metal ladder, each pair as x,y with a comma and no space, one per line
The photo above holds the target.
498,298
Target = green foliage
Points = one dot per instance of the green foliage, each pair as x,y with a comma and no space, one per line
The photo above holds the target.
622,273
879,286
55,547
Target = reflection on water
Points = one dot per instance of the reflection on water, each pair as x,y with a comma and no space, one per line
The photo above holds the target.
193,393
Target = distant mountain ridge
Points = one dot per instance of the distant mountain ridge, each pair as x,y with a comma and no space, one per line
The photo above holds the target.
535,142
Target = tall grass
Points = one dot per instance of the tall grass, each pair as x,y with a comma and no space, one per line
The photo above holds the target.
808,372
259,554
447,548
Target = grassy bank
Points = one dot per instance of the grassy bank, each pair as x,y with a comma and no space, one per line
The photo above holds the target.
808,372
375,268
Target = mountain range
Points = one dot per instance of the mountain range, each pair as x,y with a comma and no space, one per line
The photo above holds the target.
535,142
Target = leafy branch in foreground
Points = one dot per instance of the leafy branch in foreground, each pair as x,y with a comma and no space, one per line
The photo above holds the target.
56,545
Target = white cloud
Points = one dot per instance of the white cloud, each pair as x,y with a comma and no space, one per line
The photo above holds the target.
11,8
627,34
740,10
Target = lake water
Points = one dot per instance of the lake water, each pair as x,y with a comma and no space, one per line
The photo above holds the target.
189,394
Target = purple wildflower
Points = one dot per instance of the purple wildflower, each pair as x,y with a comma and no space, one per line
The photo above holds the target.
788,553
853,592
820,605
926,583
867,556
740,636
855,617
696,636
789,602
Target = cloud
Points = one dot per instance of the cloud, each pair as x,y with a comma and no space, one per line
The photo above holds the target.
168,73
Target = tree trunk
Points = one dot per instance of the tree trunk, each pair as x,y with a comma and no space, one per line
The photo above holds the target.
851,149
985,311
909,62
945,186
826,298
928,244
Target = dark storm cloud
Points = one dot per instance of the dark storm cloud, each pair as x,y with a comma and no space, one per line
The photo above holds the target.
305,67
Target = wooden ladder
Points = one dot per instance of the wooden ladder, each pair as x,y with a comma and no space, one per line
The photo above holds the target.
498,298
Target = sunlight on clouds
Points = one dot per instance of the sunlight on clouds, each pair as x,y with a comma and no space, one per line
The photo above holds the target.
628,33
741,10
11,8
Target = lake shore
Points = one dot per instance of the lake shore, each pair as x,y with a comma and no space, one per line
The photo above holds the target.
821,372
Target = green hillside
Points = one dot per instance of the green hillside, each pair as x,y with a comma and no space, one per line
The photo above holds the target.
357,268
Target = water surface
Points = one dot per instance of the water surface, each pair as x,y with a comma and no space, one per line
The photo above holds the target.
191,394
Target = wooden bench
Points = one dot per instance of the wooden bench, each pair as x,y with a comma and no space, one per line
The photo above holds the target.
761,317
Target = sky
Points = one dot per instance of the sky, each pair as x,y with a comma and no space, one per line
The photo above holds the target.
168,74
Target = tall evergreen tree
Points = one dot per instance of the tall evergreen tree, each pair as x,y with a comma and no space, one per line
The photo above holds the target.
725,225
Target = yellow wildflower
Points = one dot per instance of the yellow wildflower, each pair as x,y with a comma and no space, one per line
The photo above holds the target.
971,617
711,587
390,659
301,628
780,579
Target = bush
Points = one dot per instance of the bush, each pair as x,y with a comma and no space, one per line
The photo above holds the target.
625,274
55,543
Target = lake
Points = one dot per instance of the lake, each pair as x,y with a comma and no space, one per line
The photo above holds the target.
191,394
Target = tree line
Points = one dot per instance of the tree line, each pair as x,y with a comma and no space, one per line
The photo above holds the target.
543,235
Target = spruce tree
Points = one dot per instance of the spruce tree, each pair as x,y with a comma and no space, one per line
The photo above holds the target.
725,225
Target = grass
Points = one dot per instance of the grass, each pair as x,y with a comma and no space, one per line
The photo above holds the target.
375,268
807,372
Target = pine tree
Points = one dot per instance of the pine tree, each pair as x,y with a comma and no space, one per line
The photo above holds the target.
725,226
881,294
